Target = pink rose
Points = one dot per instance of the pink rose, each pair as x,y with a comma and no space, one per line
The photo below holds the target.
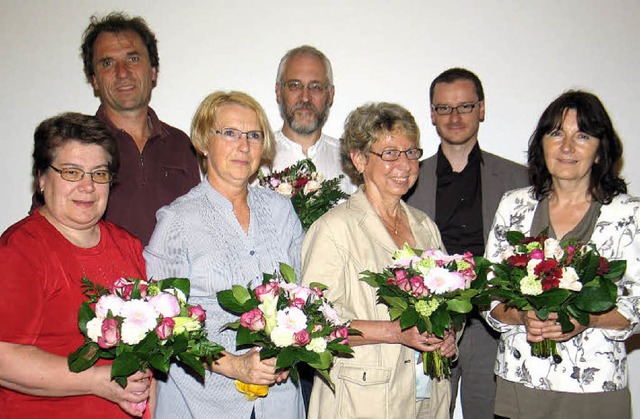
417,286
536,254
198,313
341,333
122,287
301,338
297,302
270,289
110,334
317,291
164,329
253,320
165,304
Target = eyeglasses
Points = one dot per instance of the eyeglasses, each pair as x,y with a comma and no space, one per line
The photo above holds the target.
76,175
314,87
393,155
232,134
447,110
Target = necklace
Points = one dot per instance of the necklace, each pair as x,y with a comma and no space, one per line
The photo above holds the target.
393,227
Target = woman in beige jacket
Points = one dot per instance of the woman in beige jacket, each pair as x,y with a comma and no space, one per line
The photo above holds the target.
380,148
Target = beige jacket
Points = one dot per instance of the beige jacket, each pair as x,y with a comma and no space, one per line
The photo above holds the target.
379,381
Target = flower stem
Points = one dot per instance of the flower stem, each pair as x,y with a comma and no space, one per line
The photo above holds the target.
435,365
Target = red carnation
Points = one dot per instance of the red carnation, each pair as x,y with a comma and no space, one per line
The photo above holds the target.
518,261
603,266
546,266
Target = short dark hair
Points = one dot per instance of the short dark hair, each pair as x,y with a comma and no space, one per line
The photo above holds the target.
455,74
594,120
52,133
116,22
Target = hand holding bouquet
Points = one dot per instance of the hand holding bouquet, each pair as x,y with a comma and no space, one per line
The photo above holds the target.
311,195
140,325
551,276
291,322
431,291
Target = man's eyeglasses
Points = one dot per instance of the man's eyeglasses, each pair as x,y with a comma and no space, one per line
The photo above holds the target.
447,110
232,134
76,175
393,155
314,87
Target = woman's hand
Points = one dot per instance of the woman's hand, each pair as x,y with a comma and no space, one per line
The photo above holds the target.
538,330
449,347
423,342
250,369
132,399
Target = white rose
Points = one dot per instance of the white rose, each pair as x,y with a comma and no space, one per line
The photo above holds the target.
282,336
108,303
132,333
94,328
311,187
570,280
552,249
285,189
531,265
317,345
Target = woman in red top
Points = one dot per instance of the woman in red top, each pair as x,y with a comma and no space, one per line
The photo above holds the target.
42,261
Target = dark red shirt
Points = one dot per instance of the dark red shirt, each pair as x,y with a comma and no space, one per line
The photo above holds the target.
166,169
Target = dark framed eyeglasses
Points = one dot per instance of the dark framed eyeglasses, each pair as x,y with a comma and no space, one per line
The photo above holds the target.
232,135
71,174
313,87
393,155
462,109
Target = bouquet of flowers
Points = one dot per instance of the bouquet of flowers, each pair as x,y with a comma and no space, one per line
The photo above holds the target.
431,291
142,324
311,195
292,322
547,275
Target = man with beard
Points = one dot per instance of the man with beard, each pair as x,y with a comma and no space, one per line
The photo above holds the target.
304,91
158,163
460,188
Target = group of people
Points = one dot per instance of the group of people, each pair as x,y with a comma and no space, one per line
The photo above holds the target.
102,182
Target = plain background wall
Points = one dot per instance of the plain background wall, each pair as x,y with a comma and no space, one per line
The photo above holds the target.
526,54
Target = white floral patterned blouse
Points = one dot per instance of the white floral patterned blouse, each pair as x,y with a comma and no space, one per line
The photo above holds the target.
595,360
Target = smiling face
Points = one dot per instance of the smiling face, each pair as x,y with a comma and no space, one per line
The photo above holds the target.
570,153
456,128
387,179
79,205
230,164
304,112
123,76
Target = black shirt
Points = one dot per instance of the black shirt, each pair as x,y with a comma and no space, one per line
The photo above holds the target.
459,204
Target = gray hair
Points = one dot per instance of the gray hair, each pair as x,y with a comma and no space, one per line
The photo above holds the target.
304,50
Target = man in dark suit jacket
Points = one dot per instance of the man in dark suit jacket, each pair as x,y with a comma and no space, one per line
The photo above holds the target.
460,188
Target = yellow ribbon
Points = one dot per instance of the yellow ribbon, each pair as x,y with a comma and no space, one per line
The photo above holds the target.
252,391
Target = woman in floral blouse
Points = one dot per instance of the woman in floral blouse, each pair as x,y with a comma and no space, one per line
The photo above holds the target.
574,159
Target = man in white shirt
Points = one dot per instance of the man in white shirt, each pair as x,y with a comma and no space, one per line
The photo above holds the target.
304,91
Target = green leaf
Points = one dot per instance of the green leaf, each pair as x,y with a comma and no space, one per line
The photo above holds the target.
596,296
550,299
125,364
229,302
395,312
286,357
191,362
394,301
565,322
325,360
459,305
182,284
543,313
369,278
160,361
288,273
408,318
579,315
514,237
241,294
441,320
85,314
327,378
84,357
617,268
245,336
